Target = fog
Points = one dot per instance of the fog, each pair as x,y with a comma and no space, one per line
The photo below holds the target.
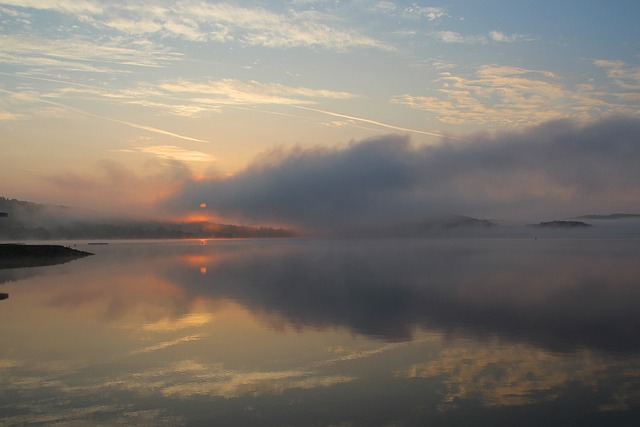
556,170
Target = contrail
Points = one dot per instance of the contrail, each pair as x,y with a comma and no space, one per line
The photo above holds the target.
143,127
44,79
163,132
373,122
122,122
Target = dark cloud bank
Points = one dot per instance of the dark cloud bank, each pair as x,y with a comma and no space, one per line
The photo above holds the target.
558,169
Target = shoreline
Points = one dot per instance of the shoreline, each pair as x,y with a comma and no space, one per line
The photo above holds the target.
20,255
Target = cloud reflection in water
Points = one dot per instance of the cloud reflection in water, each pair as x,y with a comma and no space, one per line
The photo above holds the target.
417,329
561,294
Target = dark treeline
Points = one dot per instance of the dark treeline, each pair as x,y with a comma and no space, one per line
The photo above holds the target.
85,230
32,221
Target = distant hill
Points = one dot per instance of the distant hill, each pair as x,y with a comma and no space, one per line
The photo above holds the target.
431,226
461,221
34,221
562,224
609,216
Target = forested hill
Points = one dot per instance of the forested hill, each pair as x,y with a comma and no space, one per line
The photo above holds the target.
34,221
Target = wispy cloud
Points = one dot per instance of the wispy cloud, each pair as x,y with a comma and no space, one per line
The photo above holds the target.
625,76
38,98
234,92
192,98
84,54
79,7
447,36
429,12
499,95
201,21
500,37
414,11
176,153
8,115
44,62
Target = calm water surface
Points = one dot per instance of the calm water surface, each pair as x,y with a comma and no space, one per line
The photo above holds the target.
326,333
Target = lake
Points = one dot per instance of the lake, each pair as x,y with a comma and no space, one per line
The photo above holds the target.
296,332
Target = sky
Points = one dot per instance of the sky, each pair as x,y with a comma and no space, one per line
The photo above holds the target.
309,112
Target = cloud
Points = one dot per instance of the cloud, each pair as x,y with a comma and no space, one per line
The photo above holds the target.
558,168
36,97
176,153
36,60
500,37
76,53
623,75
201,21
189,98
494,36
79,7
498,95
8,115
233,92
431,13
414,12
455,37
111,187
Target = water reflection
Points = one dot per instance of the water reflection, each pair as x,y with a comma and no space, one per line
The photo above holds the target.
462,332
14,268
562,295
516,375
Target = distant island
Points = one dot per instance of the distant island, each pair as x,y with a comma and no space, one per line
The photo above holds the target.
609,216
430,226
562,224
34,221
451,222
